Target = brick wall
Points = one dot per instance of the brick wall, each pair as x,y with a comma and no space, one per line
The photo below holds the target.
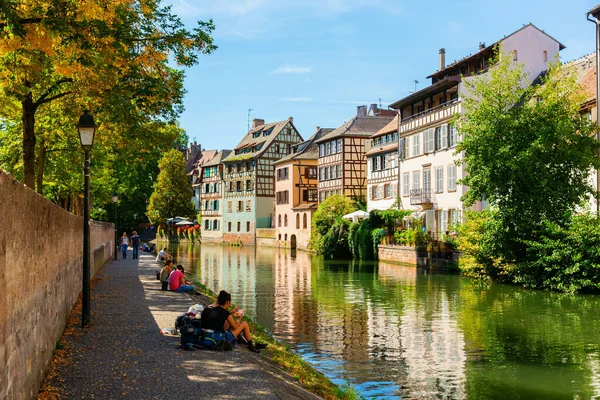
40,280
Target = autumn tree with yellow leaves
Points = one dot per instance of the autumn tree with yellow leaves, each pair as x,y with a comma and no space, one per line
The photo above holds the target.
110,56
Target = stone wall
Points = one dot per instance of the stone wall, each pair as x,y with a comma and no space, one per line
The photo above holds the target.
40,280
265,237
409,255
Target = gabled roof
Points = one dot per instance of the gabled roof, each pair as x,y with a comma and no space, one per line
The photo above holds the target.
307,150
255,137
489,49
382,149
585,69
361,126
200,159
216,160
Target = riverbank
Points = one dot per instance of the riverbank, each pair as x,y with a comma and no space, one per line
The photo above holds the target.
123,355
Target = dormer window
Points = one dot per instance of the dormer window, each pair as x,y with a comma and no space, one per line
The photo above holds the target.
267,132
256,134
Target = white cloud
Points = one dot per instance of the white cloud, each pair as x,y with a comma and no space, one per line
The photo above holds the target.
292,69
298,99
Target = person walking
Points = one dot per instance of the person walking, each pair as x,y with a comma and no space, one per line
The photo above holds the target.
135,244
124,244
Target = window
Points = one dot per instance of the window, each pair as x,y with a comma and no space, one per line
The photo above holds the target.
375,164
327,148
216,205
339,170
215,225
321,174
311,172
451,177
297,221
229,209
285,220
339,145
304,221
326,173
312,195
321,197
239,226
321,150
444,222
441,137
282,197
305,195
427,179
439,179
428,141
545,56
373,192
206,224
238,186
285,237
247,226
452,136
229,226
416,145
282,174
388,191
248,205
382,161
404,146
416,179
248,185
207,173
279,220
334,147
453,217
405,184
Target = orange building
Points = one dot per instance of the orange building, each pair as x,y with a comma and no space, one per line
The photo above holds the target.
296,198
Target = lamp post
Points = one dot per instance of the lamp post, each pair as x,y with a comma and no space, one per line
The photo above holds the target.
87,129
594,13
115,199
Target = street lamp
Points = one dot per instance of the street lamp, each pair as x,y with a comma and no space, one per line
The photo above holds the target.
595,18
115,199
87,129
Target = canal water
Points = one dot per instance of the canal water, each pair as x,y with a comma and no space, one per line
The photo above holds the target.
400,332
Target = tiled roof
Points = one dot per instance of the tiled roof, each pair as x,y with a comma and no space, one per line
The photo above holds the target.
200,159
308,150
585,68
216,160
362,126
389,128
251,141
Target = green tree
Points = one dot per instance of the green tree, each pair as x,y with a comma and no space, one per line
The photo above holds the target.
109,54
172,192
527,150
323,219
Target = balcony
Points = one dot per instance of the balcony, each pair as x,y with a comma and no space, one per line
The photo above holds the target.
420,197
440,113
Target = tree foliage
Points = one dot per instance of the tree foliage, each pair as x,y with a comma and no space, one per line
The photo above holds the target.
172,192
112,55
527,149
332,208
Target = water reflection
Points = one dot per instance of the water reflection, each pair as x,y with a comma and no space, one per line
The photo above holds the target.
395,331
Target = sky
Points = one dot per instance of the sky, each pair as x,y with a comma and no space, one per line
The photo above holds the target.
317,60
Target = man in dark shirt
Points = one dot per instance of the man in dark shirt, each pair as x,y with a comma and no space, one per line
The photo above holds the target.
218,318
135,243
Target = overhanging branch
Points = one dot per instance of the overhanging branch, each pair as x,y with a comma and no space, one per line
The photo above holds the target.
43,98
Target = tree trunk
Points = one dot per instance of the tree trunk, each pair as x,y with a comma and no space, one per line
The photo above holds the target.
41,163
29,141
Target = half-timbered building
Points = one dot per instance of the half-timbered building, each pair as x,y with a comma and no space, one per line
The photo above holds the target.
428,172
194,169
296,192
211,198
342,162
249,179
382,167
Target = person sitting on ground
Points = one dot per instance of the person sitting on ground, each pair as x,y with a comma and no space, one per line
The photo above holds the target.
145,247
162,255
165,272
177,282
218,318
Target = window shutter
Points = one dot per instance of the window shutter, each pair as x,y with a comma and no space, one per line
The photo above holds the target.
444,133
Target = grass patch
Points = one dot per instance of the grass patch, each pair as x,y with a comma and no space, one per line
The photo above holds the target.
280,354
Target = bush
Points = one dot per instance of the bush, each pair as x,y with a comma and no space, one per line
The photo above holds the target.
563,258
335,241
329,211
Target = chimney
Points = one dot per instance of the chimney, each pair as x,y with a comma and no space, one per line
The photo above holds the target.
257,122
481,46
373,110
291,119
361,110
318,127
442,58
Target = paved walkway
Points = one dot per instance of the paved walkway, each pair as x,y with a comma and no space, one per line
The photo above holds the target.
122,355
